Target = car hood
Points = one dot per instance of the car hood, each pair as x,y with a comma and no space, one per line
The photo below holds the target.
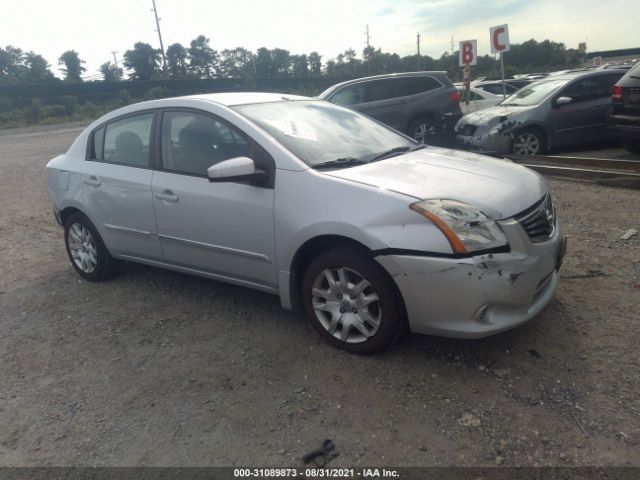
487,115
500,188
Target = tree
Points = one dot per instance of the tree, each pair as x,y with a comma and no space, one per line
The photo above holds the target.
264,65
203,60
315,63
143,61
177,57
37,69
111,72
12,68
238,62
73,68
300,66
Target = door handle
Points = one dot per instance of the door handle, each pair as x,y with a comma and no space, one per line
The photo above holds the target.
92,180
167,196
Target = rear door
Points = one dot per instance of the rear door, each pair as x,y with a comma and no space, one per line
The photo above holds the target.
117,186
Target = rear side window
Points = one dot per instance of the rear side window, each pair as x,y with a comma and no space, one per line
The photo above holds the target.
413,85
347,96
125,141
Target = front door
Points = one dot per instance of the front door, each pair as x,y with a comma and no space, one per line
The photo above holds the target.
224,230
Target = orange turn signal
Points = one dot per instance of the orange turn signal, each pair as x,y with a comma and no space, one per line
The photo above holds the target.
454,240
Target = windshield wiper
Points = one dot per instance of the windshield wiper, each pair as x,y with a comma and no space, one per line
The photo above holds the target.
340,162
394,151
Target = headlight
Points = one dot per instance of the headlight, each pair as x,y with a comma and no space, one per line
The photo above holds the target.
466,227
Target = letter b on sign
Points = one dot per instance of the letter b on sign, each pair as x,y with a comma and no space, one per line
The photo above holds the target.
468,52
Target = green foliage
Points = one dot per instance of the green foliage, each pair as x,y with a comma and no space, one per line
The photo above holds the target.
157,92
177,61
111,72
6,105
73,68
33,113
203,60
143,61
70,105
123,98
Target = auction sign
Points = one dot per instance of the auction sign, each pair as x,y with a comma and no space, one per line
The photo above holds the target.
468,53
499,37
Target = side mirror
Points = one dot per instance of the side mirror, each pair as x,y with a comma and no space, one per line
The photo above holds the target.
563,100
234,170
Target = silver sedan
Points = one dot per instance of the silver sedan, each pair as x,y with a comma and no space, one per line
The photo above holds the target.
364,228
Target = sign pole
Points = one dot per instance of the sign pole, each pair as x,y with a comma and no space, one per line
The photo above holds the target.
504,91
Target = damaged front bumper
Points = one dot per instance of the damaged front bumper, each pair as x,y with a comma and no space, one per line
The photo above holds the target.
480,295
487,143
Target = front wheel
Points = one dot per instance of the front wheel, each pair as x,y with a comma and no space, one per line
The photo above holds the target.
528,142
351,302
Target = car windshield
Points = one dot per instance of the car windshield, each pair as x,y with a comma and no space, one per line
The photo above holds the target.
319,132
533,93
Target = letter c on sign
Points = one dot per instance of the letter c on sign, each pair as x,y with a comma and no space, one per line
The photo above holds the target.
467,53
496,43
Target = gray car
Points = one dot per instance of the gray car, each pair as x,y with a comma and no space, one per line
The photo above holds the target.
424,105
560,110
366,229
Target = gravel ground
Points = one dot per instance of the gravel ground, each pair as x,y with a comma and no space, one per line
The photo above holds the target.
160,368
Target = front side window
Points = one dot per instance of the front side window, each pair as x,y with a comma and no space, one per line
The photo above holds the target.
192,142
318,132
125,141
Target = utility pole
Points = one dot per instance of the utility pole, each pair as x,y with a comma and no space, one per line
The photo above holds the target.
115,59
155,13
419,59
368,36
453,60
418,43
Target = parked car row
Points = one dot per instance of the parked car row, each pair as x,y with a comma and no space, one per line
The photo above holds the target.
624,115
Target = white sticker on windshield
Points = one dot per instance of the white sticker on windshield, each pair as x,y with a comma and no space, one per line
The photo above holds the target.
293,128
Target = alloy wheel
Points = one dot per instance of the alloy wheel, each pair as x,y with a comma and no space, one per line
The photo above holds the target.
83,248
423,130
346,304
526,144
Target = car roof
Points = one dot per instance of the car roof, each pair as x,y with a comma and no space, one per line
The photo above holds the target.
580,74
231,99
424,73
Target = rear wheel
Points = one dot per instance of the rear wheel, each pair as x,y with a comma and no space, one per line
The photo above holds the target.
528,142
632,146
86,250
351,302
423,129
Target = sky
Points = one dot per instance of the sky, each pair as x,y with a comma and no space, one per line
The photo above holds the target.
97,28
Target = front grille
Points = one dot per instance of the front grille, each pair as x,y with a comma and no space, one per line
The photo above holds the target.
539,221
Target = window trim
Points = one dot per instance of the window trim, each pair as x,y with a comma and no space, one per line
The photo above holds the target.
158,143
152,139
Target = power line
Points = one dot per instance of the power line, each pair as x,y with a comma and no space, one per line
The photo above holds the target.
155,13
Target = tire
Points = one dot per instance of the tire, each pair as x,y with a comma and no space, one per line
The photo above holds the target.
423,129
632,146
364,322
86,250
528,141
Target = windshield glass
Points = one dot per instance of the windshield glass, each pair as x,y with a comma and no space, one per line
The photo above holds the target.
318,132
534,93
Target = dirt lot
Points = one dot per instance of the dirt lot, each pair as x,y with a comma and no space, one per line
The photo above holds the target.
159,368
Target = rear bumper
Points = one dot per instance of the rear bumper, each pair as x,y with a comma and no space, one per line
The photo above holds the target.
478,296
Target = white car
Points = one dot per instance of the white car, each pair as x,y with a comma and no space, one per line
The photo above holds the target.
478,99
